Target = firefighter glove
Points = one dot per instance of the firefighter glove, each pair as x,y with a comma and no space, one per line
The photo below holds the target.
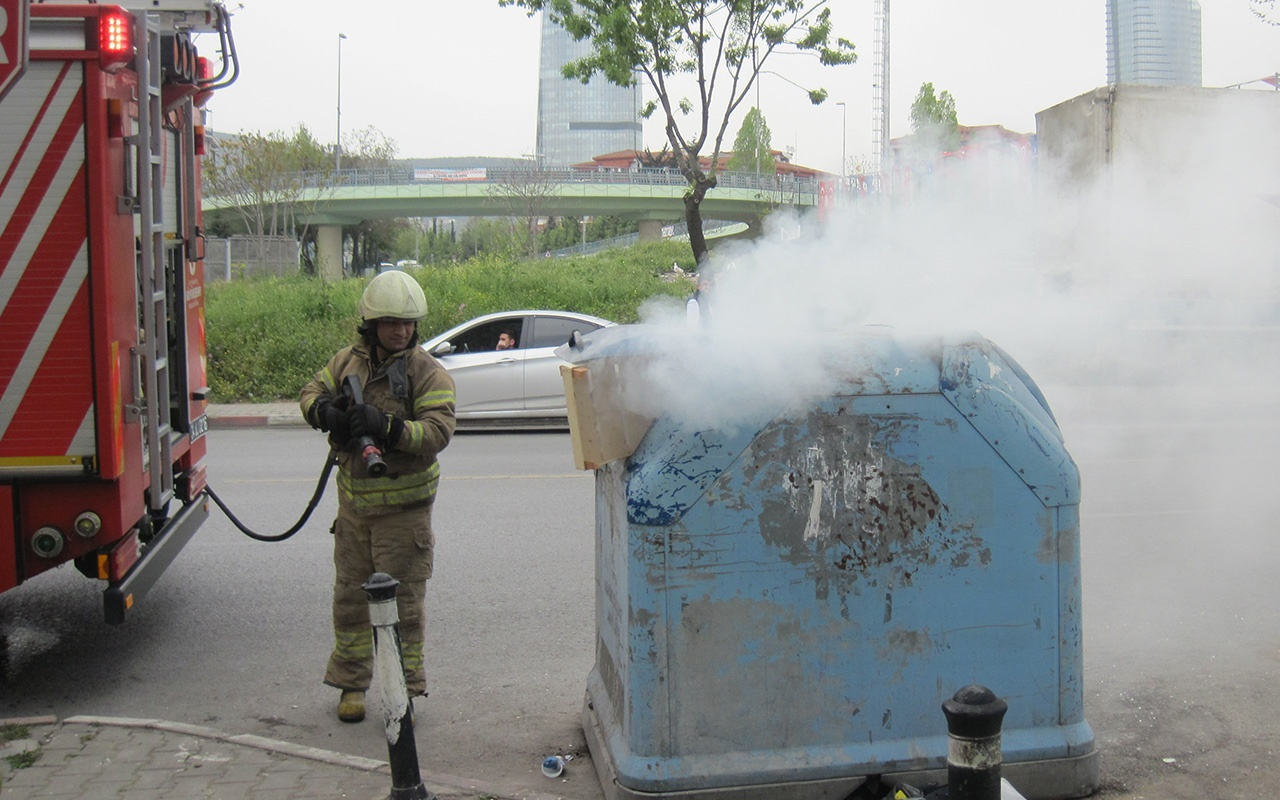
395,429
330,416
366,420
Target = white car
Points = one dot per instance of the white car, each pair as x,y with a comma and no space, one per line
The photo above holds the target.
518,385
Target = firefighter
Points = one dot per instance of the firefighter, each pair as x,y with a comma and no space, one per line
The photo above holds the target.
383,523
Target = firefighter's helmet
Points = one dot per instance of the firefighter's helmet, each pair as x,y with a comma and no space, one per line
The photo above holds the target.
395,295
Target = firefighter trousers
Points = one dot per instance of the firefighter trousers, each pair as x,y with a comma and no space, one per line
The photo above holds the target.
402,545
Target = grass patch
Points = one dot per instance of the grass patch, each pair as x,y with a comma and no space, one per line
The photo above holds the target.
23,760
9,733
266,338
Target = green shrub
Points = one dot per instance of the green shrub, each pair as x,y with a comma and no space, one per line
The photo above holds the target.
266,338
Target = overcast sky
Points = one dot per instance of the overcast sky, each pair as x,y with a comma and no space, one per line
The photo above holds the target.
459,77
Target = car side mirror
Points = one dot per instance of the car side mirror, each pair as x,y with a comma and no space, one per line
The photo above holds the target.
443,349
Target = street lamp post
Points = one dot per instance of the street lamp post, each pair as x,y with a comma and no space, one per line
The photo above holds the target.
844,116
337,147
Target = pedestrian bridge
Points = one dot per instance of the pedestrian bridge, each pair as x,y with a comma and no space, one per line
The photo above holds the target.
348,197
649,196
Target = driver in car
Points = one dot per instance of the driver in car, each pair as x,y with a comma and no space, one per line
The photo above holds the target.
506,341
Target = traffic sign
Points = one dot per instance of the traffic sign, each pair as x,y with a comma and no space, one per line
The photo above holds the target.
13,42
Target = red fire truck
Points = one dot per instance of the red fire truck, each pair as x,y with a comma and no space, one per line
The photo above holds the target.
102,343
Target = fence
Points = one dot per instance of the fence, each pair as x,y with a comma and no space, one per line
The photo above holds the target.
240,257
643,176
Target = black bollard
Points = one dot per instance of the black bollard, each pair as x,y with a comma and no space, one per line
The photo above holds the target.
974,715
406,780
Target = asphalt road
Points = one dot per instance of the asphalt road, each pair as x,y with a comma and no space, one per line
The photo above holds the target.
236,634
1181,601
1182,627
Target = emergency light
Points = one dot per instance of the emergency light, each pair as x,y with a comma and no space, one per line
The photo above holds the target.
115,38
204,76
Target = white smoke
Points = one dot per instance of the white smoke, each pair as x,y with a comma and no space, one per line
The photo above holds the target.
1164,265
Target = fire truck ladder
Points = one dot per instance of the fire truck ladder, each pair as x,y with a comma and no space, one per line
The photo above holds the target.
152,266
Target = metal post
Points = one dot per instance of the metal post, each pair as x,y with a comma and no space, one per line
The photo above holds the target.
337,146
974,715
397,714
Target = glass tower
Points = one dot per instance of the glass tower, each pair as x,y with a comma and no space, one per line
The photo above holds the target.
1153,42
578,121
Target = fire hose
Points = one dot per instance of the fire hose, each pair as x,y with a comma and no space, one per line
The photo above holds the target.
364,445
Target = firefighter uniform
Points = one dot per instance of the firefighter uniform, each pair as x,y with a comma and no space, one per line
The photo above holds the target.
383,523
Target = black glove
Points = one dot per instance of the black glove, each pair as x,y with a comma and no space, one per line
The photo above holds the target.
366,420
330,416
395,429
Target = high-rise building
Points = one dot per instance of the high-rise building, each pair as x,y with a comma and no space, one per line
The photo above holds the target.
1153,42
578,121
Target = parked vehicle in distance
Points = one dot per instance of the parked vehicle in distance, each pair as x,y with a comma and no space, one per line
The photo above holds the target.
519,385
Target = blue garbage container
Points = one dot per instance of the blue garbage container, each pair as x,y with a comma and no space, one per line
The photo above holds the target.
784,603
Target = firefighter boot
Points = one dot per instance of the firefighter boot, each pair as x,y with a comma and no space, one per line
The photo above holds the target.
351,706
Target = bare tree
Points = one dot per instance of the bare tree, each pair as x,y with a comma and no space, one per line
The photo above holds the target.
262,176
523,190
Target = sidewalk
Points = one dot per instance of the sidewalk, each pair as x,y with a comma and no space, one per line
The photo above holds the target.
254,415
92,758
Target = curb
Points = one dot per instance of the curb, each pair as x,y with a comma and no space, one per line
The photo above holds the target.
237,422
247,740
256,421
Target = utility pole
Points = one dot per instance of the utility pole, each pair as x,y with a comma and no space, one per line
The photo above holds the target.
337,147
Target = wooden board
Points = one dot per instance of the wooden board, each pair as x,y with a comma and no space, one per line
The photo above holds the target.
600,425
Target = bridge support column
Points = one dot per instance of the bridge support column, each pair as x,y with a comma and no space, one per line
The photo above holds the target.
329,252
650,230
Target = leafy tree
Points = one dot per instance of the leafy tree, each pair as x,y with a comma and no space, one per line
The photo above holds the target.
492,235
607,226
565,232
753,146
934,124
722,45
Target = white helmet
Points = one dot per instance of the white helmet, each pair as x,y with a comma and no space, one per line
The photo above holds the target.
395,295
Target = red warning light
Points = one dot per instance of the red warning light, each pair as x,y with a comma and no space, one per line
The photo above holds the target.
115,37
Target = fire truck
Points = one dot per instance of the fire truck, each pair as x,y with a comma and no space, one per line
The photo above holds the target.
102,330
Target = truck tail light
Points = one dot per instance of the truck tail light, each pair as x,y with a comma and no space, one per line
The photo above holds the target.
115,562
115,38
